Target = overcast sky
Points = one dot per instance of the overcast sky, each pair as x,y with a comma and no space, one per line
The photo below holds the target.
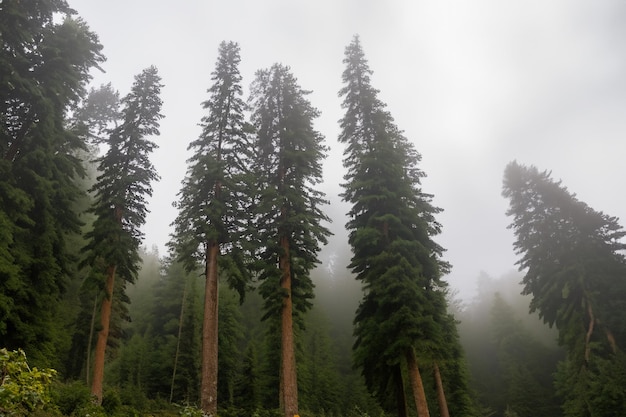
474,84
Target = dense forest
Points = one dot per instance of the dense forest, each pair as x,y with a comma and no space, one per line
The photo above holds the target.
259,307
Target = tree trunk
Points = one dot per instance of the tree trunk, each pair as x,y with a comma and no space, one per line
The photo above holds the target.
208,384
441,396
180,329
92,326
416,384
103,335
288,359
403,409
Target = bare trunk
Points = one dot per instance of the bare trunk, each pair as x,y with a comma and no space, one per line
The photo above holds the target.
90,339
441,396
208,384
611,339
592,322
288,359
180,328
403,409
416,384
103,335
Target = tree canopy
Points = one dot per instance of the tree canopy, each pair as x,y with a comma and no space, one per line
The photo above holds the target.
575,271
44,68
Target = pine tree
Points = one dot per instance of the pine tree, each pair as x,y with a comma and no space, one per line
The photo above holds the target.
211,205
391,227
44,67
121,206
526,365
288,208
96,115
575,269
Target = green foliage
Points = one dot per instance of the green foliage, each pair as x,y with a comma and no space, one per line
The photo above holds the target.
190,411
527,366
111,401
22,389
229,338
212,201
44,66
125,180
289,152
391,225
71,397
575,273
511,354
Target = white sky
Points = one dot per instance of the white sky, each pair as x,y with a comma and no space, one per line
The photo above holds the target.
473,83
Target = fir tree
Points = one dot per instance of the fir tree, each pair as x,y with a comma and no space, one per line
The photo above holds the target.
575,269
121,207
44,67
212,205
288,207
391,227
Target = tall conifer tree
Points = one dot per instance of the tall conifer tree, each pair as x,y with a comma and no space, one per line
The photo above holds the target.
288,212
212,203
121,207
391,227
44,67
575,273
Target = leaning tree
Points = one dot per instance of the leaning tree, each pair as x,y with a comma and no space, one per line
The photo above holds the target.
391,227
575,271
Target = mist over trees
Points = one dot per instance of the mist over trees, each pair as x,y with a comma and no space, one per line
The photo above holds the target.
575,274
258,309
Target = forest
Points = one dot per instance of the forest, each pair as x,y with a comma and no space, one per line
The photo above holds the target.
259,307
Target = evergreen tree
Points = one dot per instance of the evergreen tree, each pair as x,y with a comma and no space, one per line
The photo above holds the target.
231,332
451,373
44,66
211,205
527,366
96,115
320,379
120,207
288,207
246,392
575,272
391,227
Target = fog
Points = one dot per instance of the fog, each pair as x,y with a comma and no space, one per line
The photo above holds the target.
473,84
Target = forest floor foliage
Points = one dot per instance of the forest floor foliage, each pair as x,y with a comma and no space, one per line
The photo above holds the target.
26,391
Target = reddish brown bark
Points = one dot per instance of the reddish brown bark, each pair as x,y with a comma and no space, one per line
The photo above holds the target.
288,359
103,335
417,385
208,383
441,396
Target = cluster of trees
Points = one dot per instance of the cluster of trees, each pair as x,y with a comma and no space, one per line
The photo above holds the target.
511,354
75,176
250,213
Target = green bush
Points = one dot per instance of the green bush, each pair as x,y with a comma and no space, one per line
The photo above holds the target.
89,410
22,389
111,401
190,411
133,396
72,396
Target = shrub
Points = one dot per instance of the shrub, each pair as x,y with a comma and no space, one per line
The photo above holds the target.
72,396
22,389
111,401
